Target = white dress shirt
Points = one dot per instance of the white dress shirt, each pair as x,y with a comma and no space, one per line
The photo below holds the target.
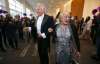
38,25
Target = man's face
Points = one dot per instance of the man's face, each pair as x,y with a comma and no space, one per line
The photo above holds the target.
40,10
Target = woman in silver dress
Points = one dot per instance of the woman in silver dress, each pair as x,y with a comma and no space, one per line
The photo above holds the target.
65,41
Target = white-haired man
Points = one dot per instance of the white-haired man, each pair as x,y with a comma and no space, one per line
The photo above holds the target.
43,26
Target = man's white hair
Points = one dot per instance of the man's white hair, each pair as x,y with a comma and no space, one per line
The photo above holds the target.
41,5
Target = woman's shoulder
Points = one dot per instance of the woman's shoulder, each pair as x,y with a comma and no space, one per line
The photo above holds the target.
57,25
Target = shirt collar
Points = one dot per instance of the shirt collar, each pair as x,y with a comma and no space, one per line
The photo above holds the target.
42,15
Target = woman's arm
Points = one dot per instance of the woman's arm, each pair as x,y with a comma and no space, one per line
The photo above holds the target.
76,37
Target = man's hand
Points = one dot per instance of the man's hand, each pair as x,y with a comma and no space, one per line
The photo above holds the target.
39,35
50,30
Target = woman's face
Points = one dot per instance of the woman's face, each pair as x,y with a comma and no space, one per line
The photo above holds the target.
64,19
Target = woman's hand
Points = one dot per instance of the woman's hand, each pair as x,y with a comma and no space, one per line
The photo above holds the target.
50,30
78,55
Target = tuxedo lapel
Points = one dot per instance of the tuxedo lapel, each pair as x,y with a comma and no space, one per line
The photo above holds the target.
44,20
36,22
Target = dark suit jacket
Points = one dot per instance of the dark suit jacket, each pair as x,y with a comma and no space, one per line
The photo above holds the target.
46,23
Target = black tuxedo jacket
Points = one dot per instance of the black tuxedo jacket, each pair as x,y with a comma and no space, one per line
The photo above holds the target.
47,23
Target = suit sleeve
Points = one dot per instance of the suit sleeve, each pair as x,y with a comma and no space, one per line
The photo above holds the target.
52,22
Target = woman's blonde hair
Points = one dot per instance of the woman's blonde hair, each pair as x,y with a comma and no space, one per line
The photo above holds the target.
64,13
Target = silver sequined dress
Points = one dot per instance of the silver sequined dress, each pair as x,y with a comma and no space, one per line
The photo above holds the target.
63,45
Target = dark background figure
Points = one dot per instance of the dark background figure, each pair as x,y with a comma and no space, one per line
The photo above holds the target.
25,21
81,25
93,27
97,36
21,26
87,27
2,34
26,25
18,25
20,29
33,29
11,32
87,19
76,20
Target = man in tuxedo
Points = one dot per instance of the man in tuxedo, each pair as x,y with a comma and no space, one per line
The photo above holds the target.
43,26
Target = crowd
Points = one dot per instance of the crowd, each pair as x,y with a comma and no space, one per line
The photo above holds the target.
12,30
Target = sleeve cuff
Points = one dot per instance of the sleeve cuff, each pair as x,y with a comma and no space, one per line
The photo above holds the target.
43,35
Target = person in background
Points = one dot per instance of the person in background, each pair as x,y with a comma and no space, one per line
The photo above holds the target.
65,40
87,28
81,25
93,26
97,35
11,32
26,28
30,16
33,33
17,24
1,34
25,20
76,20
23,24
